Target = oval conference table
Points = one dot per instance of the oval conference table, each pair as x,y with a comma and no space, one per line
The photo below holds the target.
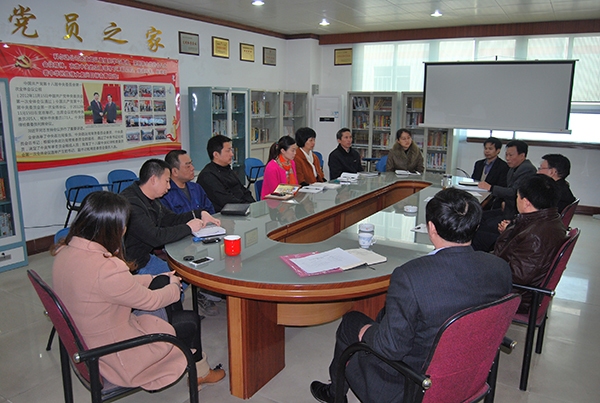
264,294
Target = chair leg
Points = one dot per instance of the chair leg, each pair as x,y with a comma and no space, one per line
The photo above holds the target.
528,350
66,373
540,336
50,339
491,380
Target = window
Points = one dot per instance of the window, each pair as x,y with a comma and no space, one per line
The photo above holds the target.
399,67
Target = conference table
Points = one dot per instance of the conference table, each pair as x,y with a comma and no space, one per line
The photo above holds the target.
264,294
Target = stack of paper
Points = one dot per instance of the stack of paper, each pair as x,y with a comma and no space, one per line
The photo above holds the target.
332,261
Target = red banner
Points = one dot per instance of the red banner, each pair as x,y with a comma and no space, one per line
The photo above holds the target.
74,107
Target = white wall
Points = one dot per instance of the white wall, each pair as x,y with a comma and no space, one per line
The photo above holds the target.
42,191
300,63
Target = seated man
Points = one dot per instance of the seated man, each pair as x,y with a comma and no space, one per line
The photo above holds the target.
422,295
492,169
185,196
152,225
520,169
218,180
531,242
558,167
344,158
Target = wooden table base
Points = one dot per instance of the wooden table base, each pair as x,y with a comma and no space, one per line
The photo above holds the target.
256,331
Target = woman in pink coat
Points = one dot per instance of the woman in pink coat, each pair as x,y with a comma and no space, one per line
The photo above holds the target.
95,284
281,167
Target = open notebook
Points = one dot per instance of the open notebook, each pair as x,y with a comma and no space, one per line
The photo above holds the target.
332,261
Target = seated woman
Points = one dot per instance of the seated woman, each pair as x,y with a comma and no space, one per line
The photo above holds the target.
405,154
308,166
96,285
281,167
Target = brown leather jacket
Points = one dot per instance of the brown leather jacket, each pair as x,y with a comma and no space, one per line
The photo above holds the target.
529,245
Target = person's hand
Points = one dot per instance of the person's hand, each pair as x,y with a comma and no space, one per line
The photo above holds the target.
196,224
362,331
174,279
484,185
206,217
502,225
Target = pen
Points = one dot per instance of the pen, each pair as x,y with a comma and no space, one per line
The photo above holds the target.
194,214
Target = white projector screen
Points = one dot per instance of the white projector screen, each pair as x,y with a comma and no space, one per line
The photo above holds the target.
530,96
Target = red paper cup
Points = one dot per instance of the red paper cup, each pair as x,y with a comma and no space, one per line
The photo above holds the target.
233,245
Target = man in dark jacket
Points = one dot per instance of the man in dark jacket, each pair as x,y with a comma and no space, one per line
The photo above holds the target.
558,167
152,225
492,169
110,110
530,244
344,158
217,178
422,295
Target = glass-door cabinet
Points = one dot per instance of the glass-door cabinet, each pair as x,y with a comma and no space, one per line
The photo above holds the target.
264,122
374,119
12,234
295,106
216,111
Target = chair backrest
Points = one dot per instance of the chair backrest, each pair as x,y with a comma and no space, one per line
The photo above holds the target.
254,169
320,157
380,166
61,234
63,323
464,350
120,179
568,212
559,264
258,188
77,195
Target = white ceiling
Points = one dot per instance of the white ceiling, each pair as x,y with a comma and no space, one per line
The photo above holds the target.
351,16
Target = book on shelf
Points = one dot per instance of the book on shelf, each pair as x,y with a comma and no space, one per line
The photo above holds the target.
283,191
333,261
2,190
288,108
360,102
6,228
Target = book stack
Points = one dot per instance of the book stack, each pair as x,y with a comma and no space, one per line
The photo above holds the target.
360,103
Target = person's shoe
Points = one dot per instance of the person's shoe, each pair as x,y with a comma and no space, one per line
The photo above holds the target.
322,392
214,376
206,307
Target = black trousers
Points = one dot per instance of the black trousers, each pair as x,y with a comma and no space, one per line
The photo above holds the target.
186,323
347,334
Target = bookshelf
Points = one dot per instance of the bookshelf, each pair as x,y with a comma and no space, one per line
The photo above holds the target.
216,111
12,233
373,120
265,120
294,110
439,145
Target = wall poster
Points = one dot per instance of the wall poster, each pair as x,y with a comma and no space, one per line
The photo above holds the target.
74,107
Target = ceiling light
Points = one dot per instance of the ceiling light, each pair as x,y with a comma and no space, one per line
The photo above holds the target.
436,14
324,22
258,3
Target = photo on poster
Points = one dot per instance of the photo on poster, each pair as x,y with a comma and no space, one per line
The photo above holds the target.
145,120
145,106
133,135
132,121
130,106
130,90
159,134
147,135
101,103
160,120
160,106
145,91
158,91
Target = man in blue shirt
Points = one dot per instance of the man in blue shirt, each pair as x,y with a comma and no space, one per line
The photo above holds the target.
186,195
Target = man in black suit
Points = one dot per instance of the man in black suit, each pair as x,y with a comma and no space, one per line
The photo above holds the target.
558,167
96,108
492,168
110,110
422,295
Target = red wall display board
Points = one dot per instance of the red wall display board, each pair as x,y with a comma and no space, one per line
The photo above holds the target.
75,107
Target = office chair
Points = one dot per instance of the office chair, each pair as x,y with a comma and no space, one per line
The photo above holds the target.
120,179
464,350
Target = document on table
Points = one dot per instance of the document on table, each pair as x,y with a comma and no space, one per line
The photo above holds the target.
333,259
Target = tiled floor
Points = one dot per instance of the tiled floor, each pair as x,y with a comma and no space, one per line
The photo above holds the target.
565,372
